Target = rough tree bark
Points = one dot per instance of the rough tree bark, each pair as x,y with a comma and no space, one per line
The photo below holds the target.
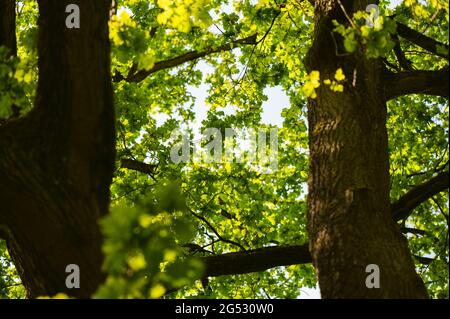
349,220
8,23
56,163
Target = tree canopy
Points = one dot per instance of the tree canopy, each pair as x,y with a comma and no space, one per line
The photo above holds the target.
200,229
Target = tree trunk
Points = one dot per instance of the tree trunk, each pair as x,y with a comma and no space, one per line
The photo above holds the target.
8,25
349,219
56,163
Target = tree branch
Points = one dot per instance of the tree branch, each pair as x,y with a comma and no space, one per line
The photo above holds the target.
417,82
220,237
403,208
255,260
423,260
422,40
190,56
134,165
401,58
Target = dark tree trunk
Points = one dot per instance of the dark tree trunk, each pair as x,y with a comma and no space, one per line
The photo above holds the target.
8,25
56,163
350,223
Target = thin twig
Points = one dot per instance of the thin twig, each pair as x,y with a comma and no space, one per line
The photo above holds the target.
204,220
346,15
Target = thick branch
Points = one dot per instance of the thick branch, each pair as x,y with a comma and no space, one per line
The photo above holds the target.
402,208
190,56
421,40
220,237
139,166
402,60
423,260
417,82
255,260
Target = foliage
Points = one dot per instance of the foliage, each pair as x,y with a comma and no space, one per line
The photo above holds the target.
375,41
143,251
10,285
144,234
